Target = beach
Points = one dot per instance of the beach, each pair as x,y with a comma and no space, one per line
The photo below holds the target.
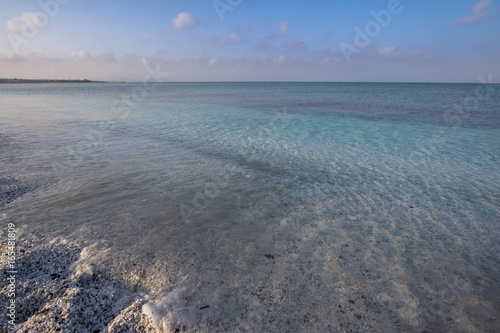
249,207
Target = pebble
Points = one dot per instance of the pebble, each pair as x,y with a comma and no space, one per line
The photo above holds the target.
11,189
51,297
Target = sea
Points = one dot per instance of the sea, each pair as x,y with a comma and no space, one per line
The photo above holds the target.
271,207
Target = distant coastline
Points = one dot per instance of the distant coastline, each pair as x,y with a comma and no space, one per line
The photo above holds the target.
46,81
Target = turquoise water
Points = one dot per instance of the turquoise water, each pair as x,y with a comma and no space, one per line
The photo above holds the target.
285,206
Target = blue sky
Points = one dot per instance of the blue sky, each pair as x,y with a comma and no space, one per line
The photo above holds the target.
244,40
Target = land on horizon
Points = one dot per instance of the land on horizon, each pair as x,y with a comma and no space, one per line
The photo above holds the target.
3,80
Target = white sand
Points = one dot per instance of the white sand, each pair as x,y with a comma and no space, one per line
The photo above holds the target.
58,290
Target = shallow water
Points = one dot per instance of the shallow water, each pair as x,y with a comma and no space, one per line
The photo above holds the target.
282,206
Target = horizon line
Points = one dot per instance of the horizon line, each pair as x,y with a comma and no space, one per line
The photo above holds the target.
242,81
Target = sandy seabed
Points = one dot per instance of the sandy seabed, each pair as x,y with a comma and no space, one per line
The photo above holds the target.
314,278
61,287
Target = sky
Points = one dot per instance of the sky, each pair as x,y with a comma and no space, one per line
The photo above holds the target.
251,40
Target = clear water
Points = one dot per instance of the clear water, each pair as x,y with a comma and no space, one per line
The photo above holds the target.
283,206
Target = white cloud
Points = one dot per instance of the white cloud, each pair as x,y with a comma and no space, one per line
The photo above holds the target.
237,35
242,28
208,38
263,45
323,50
393,52
81,56
388,52
233,38
423,55
84,56
26,20
365,45
185,20
280,60
146,38
294,44
479,12
27,56
12,57
329,60
162,51
283,28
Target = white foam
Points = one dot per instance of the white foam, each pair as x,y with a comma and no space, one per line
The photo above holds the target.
171,312
90,255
